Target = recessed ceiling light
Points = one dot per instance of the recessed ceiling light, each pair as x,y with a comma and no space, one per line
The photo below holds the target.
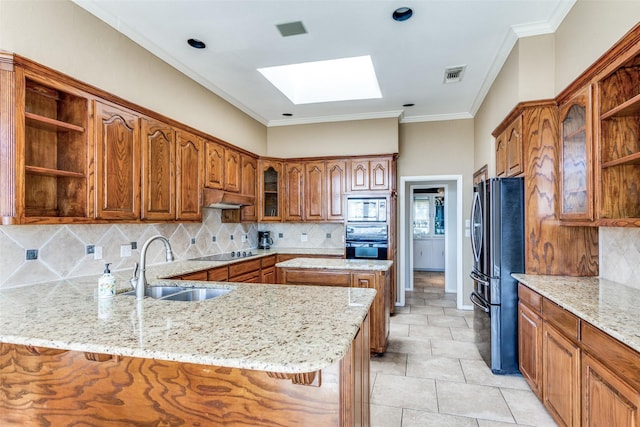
196,44
402,14
411,104
344,79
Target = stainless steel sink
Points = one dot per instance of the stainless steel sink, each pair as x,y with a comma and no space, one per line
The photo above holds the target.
176,293
197,294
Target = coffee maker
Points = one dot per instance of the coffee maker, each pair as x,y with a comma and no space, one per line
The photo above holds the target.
264,240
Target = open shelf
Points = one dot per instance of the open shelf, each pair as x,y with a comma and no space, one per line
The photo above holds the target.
628,108
626,160
52,172
47,123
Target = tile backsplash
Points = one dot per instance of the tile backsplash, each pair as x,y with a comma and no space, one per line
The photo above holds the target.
62,248
317,235
620,255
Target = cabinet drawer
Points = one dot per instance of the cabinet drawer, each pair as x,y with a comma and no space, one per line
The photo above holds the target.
243,267
219,274
268,261
198,275
320,277
615,355
560,318
250,277
530,298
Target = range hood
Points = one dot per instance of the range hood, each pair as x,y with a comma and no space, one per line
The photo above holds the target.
220,199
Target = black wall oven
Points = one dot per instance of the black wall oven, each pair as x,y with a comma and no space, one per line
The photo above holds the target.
367,241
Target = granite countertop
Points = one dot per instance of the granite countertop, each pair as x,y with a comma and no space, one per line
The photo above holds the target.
278,328
337,264
609,306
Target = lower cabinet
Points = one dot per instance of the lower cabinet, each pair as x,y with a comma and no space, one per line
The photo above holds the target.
560,376
583,376
379,313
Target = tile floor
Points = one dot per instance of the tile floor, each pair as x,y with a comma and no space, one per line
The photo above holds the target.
432,373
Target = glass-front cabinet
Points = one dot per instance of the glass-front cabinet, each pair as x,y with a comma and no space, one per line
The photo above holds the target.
576,183
270,186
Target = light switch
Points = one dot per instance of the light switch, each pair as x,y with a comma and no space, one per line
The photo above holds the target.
97,252
125,250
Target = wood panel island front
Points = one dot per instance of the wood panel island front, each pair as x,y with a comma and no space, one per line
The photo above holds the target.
267,355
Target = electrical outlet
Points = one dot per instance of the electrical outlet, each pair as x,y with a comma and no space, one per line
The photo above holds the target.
244,238
304,237
193,240
231,237
213,238
134,245
90,249
328,235
97,252
125,250
280,235
31,254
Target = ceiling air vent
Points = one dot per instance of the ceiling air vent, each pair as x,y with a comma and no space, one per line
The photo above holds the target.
454,74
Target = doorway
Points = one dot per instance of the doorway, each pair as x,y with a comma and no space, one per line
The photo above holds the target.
453,225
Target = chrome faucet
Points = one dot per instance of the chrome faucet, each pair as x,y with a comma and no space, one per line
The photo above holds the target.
140,283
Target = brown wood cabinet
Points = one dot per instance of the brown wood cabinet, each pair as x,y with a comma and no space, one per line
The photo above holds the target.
189,159
509,150
248,180
72,385
232,171
582,375
372,174
561,376
268,270
576,162
315,191
294,191
550,248
530,346
336,189
214,165
117,162
379,313
158,170
270,190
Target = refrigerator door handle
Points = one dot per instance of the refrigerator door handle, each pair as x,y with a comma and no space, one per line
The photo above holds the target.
479,302
475,276
476,224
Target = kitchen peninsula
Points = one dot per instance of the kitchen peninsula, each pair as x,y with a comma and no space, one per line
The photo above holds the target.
353,273
259,355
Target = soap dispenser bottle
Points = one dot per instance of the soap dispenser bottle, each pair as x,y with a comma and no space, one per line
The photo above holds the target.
106,284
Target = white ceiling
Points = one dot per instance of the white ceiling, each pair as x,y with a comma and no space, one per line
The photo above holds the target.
409,57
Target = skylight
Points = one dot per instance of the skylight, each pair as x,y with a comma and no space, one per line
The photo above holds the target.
325,81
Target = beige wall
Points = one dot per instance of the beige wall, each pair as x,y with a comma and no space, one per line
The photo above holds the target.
63,36
349,138
588,31
441,148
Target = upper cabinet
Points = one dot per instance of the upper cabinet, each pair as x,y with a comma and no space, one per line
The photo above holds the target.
46,170
232,172
214,161
249,174
117,162
315,193
576,181
371,174
509,149
618,111
270,190
336,171
158,175
189,159
294,191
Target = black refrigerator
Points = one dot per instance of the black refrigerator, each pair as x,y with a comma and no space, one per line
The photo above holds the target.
497,241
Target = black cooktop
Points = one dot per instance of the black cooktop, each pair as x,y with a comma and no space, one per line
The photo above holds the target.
225,257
